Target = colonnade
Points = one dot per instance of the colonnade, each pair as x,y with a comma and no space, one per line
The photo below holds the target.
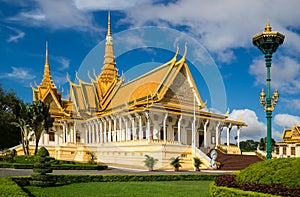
143,126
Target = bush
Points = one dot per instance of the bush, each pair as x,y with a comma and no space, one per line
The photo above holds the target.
216,191
42,152
79,167
68,179
150,162
9,155
24,159
283,171
22,166
276,177
10,188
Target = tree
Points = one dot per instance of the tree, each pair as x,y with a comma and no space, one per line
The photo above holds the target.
248,145
23,122
41,120
9,106
263,144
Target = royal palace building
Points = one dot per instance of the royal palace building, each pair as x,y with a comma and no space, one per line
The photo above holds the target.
160,113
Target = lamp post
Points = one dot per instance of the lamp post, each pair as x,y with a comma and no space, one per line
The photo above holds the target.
267,42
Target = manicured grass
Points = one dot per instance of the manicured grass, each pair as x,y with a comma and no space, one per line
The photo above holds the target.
155,188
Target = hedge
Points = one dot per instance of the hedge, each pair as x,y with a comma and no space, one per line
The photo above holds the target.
283,171
9,188
79,167
216,191
68,179
83,166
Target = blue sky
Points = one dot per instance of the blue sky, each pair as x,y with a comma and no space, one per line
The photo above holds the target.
223,28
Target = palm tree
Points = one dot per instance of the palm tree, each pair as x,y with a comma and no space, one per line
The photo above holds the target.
41,120
150,162
176,163
23,122
197,163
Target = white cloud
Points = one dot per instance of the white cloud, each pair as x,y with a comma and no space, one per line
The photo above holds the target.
285,73
64,62
56,15
108,4
286,120
17,74
255,129
15,34
293,104
223,26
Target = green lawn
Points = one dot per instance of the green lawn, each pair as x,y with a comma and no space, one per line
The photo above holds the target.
162,188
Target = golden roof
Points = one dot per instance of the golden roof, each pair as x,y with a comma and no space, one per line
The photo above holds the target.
292,134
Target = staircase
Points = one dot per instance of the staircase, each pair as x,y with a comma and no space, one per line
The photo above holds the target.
235,161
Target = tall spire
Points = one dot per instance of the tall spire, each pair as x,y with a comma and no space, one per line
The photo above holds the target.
47,79
109,71
108,25
109,74
47,58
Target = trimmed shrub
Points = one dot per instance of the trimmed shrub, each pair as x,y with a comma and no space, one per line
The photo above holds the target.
10,188
79,167
283,171
68,179
42,167
127,178
22,166
220,191
42,152
9,155
24,159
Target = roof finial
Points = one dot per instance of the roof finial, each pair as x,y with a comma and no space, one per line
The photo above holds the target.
185,50
46,58
268,26
108,24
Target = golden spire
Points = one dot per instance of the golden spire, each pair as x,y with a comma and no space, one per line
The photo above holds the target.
47,79
109,71
268,27
108,25
47,59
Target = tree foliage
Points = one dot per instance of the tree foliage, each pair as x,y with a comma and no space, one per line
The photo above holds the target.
9,109
248,145
40,120
263,144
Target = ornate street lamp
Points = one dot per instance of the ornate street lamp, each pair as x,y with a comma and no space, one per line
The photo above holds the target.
267,42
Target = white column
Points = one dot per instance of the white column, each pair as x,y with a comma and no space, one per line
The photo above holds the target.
148,135
93,131
121,129
104,131
56,135
238,135
179,129
97,131
126,129
165,126
46,140
109,129
74,130
228,134
42,139
86,133
131,130
64,132
134,135
140,131
217,133
115,129
90,132
205,133
101,131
